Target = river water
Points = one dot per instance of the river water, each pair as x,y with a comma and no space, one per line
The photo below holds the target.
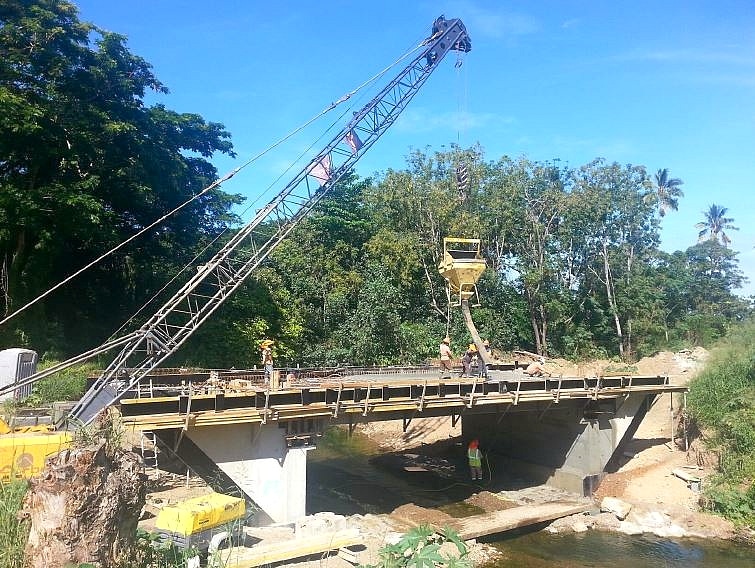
353,476
596,548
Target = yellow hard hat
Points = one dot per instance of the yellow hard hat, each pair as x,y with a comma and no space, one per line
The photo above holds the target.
472,347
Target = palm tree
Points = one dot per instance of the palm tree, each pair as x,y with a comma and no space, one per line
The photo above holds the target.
668,191
716,224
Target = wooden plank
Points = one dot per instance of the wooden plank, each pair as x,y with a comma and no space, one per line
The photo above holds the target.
508,519
263,554
688,477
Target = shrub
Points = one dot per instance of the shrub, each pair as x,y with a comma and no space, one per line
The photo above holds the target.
722,400
421,546
69,384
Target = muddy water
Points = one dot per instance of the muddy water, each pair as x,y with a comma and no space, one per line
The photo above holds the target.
353,476
595,548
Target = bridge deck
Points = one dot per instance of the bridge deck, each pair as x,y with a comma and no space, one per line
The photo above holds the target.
367,397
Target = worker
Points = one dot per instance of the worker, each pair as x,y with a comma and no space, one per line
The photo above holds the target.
466,360
445,358
537,368
267,359
486,344
475,459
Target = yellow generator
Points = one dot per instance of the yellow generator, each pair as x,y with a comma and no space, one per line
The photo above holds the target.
23,450
193,523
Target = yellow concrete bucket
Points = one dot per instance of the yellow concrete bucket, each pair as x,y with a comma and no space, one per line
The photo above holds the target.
462,265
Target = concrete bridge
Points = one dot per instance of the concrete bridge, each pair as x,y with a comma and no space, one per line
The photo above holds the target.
561,430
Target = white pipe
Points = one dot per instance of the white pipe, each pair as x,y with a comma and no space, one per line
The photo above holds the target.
212,549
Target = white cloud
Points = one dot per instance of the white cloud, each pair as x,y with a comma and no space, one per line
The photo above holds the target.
571,23
733,56
422,120
496,23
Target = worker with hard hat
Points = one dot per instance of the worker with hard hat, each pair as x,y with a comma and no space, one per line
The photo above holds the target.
445,358
474,455
466,360
267,358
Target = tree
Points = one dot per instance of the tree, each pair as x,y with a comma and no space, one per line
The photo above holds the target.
715,225
668,190
620,238
84,164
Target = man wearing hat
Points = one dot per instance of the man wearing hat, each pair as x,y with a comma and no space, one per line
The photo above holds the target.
445,358
466,361
267,359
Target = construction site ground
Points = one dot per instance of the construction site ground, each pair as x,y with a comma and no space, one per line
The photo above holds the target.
661,502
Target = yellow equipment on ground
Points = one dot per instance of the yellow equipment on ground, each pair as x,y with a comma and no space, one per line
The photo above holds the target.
193,523
462,265
23,450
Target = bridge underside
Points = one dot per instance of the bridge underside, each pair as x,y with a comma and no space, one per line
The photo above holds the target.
564,430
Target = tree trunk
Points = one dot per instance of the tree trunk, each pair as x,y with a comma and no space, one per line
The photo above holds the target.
85,508
612,300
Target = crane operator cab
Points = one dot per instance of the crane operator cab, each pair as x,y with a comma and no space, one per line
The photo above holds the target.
461,266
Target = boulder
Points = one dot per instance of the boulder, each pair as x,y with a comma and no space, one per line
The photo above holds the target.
616,506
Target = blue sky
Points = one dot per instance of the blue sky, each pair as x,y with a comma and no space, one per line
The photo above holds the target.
662,84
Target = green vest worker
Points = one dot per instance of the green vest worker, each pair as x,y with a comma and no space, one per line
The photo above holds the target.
475,459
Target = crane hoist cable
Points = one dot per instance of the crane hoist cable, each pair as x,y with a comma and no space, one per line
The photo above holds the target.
210,187
226,229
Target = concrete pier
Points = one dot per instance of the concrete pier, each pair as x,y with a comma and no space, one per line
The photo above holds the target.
567,445
257,459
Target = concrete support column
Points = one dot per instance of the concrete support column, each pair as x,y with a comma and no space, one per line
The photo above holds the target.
560,445
256,458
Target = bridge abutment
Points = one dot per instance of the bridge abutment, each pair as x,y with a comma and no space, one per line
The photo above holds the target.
567,445
257,459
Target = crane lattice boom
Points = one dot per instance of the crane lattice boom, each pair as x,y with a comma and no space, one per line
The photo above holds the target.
214,281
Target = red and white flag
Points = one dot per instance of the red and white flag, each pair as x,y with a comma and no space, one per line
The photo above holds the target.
321,170
353,141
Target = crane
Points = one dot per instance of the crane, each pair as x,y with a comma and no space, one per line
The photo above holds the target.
214,281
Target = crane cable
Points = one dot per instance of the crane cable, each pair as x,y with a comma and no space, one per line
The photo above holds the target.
225,229
213,185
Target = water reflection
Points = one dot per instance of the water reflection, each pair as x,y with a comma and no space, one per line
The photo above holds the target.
597,549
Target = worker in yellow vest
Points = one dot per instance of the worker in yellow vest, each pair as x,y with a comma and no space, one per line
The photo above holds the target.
475,459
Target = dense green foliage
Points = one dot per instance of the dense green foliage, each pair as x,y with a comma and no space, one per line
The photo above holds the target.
722,400
13,533
575,267
84,164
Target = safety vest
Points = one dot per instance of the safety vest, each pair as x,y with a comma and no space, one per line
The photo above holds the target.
475,457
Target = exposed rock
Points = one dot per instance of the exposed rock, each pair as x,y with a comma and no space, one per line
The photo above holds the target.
630,528
320,523
616,506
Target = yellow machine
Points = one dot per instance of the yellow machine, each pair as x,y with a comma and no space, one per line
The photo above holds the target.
193,523
462,266
23,450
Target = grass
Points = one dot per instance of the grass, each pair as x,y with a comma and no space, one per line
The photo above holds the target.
722,401
13,533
